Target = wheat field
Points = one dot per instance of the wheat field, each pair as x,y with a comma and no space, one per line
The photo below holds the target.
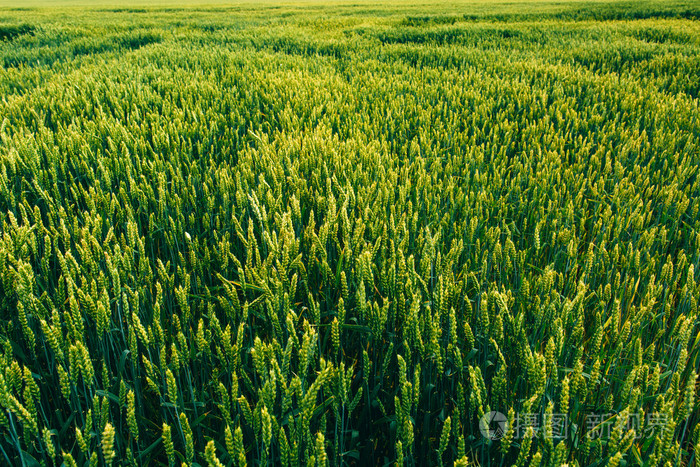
317,233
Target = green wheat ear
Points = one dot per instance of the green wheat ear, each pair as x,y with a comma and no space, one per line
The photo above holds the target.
168,443
108,443
131,415
69,460
210,455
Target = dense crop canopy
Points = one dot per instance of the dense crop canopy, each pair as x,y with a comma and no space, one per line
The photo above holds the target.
350,234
